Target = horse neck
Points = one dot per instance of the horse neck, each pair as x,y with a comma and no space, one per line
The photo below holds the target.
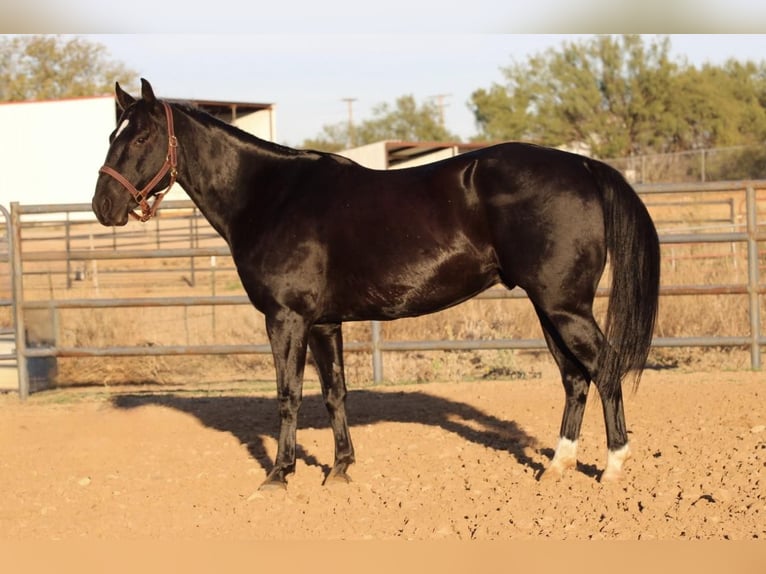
209,167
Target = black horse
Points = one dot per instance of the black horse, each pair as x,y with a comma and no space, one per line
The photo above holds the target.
318,240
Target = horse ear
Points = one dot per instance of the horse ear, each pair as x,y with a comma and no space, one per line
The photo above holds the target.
124,99
147,93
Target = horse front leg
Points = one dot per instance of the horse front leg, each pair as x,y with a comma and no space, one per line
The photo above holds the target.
288,334
326,343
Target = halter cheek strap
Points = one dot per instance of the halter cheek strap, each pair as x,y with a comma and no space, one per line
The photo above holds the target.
170,165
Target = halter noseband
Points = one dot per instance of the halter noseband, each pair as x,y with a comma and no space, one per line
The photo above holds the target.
171,164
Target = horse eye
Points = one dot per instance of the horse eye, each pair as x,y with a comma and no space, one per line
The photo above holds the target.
141,139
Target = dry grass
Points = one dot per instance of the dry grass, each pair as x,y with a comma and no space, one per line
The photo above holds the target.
680,316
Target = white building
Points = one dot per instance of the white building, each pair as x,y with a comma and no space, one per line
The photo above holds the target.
51,151
391,154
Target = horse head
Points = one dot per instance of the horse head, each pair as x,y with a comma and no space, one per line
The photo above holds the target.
141,161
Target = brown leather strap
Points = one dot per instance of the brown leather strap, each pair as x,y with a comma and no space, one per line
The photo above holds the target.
148,210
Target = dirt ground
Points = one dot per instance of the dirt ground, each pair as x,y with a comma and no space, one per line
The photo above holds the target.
434,461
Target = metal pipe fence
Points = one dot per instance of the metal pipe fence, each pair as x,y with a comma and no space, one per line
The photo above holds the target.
750,234
701,165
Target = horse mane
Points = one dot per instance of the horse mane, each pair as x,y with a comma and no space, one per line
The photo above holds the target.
239,134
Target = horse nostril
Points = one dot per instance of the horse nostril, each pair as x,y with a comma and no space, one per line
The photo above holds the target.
106,205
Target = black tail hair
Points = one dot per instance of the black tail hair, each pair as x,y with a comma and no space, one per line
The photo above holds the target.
634,255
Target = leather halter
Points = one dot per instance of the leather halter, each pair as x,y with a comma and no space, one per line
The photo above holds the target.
171,165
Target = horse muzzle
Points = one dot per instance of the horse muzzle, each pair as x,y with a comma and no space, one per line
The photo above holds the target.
110,210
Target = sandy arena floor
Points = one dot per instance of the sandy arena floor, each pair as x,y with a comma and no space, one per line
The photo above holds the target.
434,461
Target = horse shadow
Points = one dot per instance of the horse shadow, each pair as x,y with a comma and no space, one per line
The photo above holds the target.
252,419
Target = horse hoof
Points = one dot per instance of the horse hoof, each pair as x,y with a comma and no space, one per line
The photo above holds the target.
273,485
557,468
337,478
551,474
611,475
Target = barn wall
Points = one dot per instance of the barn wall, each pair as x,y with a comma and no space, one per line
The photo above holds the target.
371,155
51,150
261,124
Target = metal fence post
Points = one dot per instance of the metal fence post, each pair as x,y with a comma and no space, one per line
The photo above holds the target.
193,242
68,245
752,277
14,236
377,355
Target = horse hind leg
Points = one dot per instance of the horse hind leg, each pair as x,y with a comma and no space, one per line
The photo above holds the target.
576,385
618,448
576,342
326,343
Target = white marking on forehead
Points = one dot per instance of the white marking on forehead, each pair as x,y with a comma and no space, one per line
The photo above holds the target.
123,125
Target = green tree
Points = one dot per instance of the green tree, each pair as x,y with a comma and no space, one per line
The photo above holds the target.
623,96
52,67
607,93
333,138
720,105
404,121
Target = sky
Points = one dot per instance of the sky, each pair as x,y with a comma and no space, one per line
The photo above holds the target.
308,76
306,56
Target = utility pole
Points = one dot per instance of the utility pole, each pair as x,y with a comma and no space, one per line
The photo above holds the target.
350,102
441,105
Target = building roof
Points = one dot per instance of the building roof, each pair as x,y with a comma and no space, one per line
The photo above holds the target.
401,151
223,110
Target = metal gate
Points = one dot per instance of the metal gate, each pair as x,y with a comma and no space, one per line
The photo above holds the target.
748,234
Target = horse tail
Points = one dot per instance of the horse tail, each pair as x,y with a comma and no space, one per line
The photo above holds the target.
634,256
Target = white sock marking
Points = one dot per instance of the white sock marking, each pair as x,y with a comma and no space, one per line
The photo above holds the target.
615,459
566,454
